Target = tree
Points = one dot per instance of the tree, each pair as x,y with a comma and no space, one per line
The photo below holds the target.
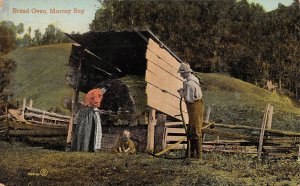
7,37
49,36
20,28
217,36
37,40
29,31
6,67
26,40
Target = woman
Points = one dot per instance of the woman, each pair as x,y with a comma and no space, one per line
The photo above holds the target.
88,131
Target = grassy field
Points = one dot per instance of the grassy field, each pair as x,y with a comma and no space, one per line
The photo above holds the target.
40,75
77,168
41,72
238,102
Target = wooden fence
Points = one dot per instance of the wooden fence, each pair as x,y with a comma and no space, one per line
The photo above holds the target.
263,142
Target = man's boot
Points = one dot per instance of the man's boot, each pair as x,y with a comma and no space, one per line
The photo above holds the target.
198,149
192,148
188,150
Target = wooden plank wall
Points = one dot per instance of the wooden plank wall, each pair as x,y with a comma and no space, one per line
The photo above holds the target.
163,81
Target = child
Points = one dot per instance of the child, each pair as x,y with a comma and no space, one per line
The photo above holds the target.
125,144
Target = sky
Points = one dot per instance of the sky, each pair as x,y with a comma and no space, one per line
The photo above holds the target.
270,5
74,21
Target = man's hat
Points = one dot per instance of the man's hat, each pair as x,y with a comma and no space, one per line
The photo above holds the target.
184,67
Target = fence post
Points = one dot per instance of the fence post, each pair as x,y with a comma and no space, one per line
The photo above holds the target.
151,125
23,108
269,119
30,103
262,132
207,114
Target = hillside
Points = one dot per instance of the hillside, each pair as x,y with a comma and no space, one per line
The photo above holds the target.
41,71
239,102
40,75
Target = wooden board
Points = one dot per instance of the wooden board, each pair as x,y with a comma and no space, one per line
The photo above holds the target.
179,146
175,131
165,97
163,81
168,68
170,124
163,54
16,115
164,102
173,138
108,141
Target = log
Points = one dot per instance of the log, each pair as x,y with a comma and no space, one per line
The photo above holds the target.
46,123
3,128
230,135
271,149
268,132
46,113
45,117
230,149
37,133
31,126
2,117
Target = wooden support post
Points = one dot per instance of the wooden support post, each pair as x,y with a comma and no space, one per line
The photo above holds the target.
6,116
207,114
30,103
298,152
206,120
74,101
262,132
43,117
160,129
151,125
269,119
23,108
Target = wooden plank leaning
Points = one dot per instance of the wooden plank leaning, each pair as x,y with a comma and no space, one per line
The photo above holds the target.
262,132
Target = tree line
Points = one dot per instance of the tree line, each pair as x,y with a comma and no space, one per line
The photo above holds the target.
13,36
21,37
226,36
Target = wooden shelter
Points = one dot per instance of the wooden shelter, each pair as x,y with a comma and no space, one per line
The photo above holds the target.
140,73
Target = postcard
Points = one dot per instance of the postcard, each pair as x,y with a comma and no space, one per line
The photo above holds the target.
149,92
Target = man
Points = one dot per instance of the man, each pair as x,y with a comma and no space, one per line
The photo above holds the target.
192,94
125,144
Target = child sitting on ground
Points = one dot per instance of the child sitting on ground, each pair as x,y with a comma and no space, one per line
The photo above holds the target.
125,144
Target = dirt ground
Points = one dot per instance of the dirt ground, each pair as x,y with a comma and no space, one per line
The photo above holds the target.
24,165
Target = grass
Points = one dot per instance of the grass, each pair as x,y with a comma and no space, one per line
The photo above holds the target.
239,102
73,168
41,72
40,75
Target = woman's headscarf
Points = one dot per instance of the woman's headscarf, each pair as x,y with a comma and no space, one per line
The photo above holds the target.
93,98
